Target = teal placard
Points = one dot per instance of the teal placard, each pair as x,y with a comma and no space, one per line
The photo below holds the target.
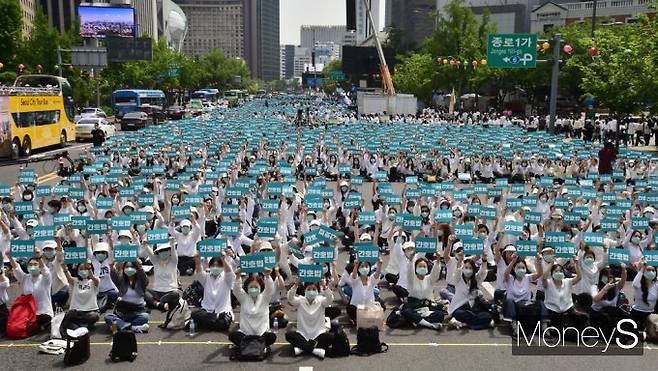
473,246
593,238
211,247
609,225
514,203
367,218
43,190
267,227
651,257
640,223
564,249
23,207
311,237
411,222
253,263
309,273
104,203
314,203
272,206
75,255
125,253
526,247
5,190
138,217
618,256
79,222
513,228
326,233
230,229
488,213
97,227
21,249
44,233
552,238
121,223
426,245
366,252
182,212
323,254
160,235
464,230
533,217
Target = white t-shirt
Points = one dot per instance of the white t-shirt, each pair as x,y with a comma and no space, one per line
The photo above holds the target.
38,287
558,299
4,285
639,304
165,273
310,316
216,291
362,294
518,290
83,297
254,315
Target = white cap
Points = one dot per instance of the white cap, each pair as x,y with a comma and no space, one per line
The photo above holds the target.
148,209
162,246
547,249
124,233
509,248
399,234
557,213
185,223
343,183
32,223
365,237
408,245
50,244
129,204
649,209
265,245
102,246
314,223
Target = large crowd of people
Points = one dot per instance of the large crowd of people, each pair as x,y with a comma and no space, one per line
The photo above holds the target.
431,208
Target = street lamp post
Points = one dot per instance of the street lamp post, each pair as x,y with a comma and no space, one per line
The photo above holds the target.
594,17
554,81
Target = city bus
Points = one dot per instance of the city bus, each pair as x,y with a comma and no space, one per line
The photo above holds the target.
234,97
129,100
206,95
37,112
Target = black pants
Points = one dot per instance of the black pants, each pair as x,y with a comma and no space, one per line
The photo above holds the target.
568,318
400,291
236,337
43,324
4,314
351,312
157,299
212,321
391,278
640,318
75,319
332,312
186,265
298,341
606,319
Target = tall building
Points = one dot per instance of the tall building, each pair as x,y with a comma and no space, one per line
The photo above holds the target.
61,13
261,49
214,24
413,18
29,10
146,12
509,16
287,62
311,34
301,60
172,24
363,27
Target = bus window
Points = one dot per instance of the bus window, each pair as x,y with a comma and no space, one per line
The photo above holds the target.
69,105
24,119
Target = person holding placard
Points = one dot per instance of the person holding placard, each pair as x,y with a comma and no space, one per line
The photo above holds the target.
4,300
37,283
130,309
450,252
558,299
311,335
363,285
215,313
101,262
517,280
164,292
186,240
605,312
466,307
403,255
590,268
636,245
254,296
83,310
645,294
395,242
53,257
503,257
420,308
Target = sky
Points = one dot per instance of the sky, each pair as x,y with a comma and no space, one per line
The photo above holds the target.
295,13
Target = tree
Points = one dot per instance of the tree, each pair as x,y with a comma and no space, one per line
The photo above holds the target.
11,22
395,40
40,48
416,74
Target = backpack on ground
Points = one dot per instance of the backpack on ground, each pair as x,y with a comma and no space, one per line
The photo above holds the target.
367,342
340,346
651,329
78,349
528,314
395,319
124,346
193,294
178,316
22,320
252,348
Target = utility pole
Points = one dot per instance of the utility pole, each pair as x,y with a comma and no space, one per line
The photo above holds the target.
59,60
554,81
594,17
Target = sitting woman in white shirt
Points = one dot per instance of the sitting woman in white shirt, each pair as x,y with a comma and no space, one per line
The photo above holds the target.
164,288
36,283
83,310
558,300
465,307
311,335
254,296
421,309
605,312
215,313
645,294
363,286
517,280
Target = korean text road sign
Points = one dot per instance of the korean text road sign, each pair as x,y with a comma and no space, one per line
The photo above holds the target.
512,50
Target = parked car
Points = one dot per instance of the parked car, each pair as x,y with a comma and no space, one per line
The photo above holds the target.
84,127
90,112
175,112
135,120
156,113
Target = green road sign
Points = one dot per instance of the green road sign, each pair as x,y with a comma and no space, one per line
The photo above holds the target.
337,76
515,50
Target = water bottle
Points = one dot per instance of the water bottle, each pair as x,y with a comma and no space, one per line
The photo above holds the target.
192,328
275,325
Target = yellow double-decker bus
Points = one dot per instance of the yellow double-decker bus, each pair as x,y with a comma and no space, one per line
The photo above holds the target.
36,112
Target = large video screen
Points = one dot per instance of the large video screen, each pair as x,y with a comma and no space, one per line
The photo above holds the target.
97,21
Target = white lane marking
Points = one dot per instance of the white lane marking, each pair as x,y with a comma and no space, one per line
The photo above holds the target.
43,154
305,368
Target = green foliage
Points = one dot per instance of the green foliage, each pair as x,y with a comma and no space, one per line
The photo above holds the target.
417,73
11,22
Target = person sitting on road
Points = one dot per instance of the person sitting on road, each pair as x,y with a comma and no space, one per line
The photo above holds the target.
129,312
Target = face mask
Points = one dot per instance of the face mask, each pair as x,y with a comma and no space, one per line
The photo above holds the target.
34,270
164,255
311,294
439,233
468,273
650,275
457,214
558,276
589,261
28,197
215,271
175,201
391,216
51,209
520,272
635,240
549,258
141,228
130,271
604,279
543,199
421,271
254,292
325,269
82,209
364,271
101,257
425,214
185,230
83,273
343,189
49,254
